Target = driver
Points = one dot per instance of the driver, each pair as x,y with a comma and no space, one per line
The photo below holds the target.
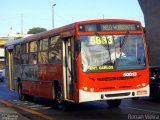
117,54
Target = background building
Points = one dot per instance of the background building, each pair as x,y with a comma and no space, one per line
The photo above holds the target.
151,11
3,40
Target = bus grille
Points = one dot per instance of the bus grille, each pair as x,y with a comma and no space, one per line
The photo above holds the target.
118,94
125,86
121,87
108,88
115,78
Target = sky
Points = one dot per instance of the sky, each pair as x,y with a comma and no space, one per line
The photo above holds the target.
38,13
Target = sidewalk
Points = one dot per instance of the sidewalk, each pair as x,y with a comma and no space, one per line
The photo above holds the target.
9,113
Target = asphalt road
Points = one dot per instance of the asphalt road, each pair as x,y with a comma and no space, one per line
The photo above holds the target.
43,109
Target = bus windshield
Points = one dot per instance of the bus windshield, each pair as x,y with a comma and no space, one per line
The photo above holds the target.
112,52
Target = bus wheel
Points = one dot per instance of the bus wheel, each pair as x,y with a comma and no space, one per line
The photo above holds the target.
114,103
135,98
29,97
61,104
20,94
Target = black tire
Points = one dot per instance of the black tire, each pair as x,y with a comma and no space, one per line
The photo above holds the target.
29,97
114,103
59,100
2,79
135,98
20,94
61,104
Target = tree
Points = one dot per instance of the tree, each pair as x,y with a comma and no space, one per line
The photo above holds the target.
36,30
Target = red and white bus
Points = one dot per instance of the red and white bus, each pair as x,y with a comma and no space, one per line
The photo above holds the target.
80,62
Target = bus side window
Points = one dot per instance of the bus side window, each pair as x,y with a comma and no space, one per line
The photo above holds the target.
43,51
17,59
55,50
33,52
24,53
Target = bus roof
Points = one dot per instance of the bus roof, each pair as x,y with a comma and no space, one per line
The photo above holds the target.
41,35
56,31
108,20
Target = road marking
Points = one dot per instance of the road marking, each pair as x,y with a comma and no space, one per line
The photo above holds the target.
30,105
33,106
27,110
143,110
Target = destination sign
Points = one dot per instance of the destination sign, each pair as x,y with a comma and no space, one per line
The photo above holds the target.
118,27
100,27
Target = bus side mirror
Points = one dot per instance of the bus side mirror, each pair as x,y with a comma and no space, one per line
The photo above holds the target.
152,78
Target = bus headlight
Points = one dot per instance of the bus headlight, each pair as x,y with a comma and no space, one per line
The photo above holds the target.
143,84
85,88
92,89
138,86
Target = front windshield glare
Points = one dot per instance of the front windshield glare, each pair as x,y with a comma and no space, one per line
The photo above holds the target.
112,52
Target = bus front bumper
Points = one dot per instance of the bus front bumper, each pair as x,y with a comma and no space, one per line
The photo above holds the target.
85,96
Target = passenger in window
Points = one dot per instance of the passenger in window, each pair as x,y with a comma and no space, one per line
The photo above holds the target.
34,58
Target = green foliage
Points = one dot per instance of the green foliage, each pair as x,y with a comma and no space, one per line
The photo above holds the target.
36,30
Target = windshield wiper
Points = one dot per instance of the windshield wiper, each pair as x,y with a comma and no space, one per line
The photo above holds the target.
108,47
122,44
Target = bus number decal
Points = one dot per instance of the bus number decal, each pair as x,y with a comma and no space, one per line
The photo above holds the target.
129,74
96,40
110,39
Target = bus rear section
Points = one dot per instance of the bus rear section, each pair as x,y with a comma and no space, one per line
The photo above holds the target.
113,61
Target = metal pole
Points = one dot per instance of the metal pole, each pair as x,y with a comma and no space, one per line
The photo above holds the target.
22,24
53,15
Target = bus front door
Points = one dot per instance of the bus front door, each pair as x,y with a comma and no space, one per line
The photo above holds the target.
68,71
